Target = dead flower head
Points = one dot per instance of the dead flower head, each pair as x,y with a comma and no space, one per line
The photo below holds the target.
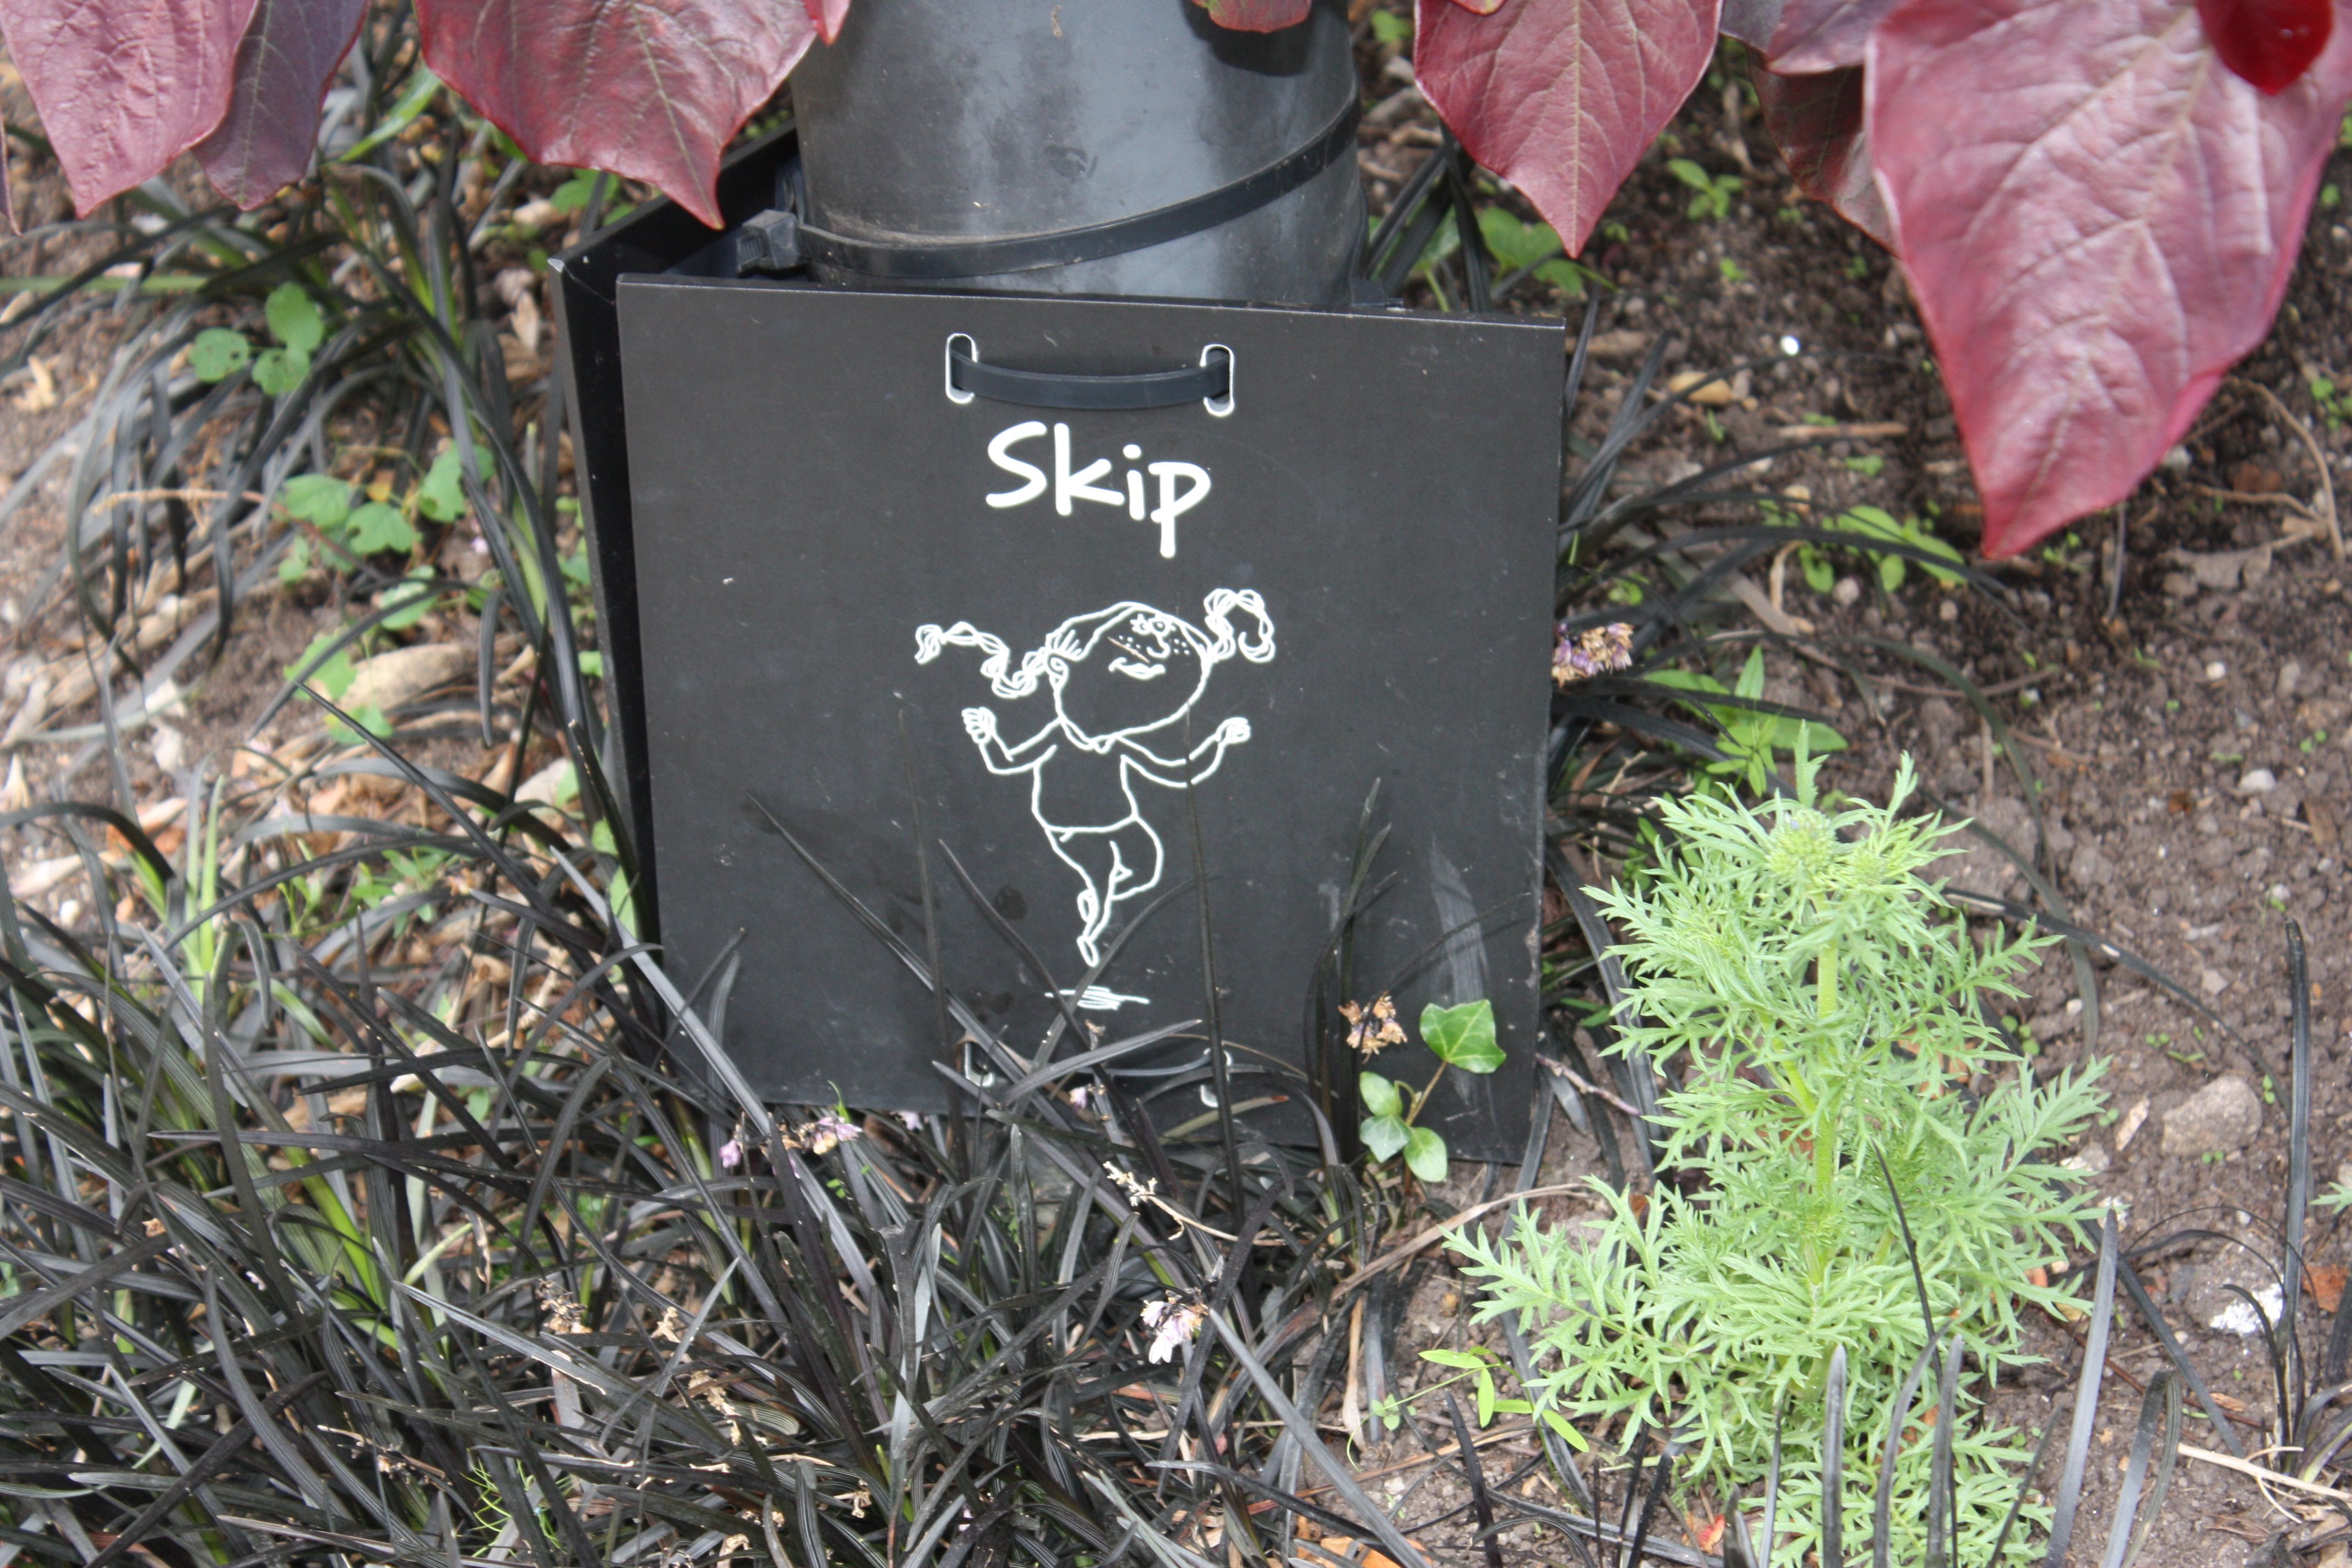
1174,1322
1374,1028
561,1308
1596,650
828,1133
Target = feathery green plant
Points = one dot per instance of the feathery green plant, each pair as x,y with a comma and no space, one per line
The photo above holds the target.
1820,1000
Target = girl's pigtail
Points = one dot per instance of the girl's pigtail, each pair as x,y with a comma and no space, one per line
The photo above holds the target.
929,639
1258,646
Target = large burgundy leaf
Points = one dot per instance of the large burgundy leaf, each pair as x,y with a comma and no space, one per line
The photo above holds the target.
1562,97
2097,219
288,55
1816,121
123,89
828,14
2268,42
1824,34
650,89
1254,15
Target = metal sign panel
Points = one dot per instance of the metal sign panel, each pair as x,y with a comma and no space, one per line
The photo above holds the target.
1087,649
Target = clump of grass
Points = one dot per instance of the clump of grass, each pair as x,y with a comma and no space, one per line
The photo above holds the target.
1821,1005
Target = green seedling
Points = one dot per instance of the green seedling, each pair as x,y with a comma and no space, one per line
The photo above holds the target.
1388,27
1823,1010
1713,192
1461,1037
1872,525
1747,738
294,320
357,528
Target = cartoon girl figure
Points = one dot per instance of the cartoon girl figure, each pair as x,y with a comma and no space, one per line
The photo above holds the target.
1117,676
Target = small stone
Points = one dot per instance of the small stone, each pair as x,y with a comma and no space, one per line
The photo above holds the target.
2212,982
1845,592
2089,867
2134,1119
2283,802
2290,677
2093,1159
1939,722
2222,1117
1949,610
2257,781
2215,669
2179,585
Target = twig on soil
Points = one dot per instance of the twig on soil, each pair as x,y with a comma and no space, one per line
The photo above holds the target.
1396,1255
2318,460
1577,1082
2267,1476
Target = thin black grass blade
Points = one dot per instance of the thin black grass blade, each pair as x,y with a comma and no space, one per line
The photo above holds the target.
2086,1401
1482,1507
2150,1314
1310,1443
1833,1548
1943,1506
2298,1177
2159,1413
1898,1414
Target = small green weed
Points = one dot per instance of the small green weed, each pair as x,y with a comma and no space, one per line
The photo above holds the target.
1749,738
1713,192
2335,406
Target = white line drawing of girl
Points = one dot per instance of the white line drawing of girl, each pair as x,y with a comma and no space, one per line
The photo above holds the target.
1116,675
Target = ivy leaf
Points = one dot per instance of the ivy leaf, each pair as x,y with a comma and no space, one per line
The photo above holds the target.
1385,1135
279,371
284,62
377,527
218,353
407,601
121,90
318,499
333,678
2144,208
653,89
1425,1155
1816,122
1463,1036
441,494
1379,1095
294,319
1562,97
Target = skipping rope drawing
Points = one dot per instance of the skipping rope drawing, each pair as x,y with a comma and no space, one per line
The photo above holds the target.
1117,676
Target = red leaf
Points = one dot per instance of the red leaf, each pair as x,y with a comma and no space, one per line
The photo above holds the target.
1256,16
1816,121
828,14
1562,97
1824,34
2097,222
122,90
288,55
2268,42
650,89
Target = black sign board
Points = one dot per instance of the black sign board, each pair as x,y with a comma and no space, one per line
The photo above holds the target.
879,570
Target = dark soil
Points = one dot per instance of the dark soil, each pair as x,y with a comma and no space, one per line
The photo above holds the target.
2150,709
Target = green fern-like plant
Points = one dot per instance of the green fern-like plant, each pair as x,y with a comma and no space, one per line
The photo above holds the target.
1820,1003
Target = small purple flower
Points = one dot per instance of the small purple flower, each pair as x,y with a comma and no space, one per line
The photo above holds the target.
829,1132
730,1154
1174,1322
1595,650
